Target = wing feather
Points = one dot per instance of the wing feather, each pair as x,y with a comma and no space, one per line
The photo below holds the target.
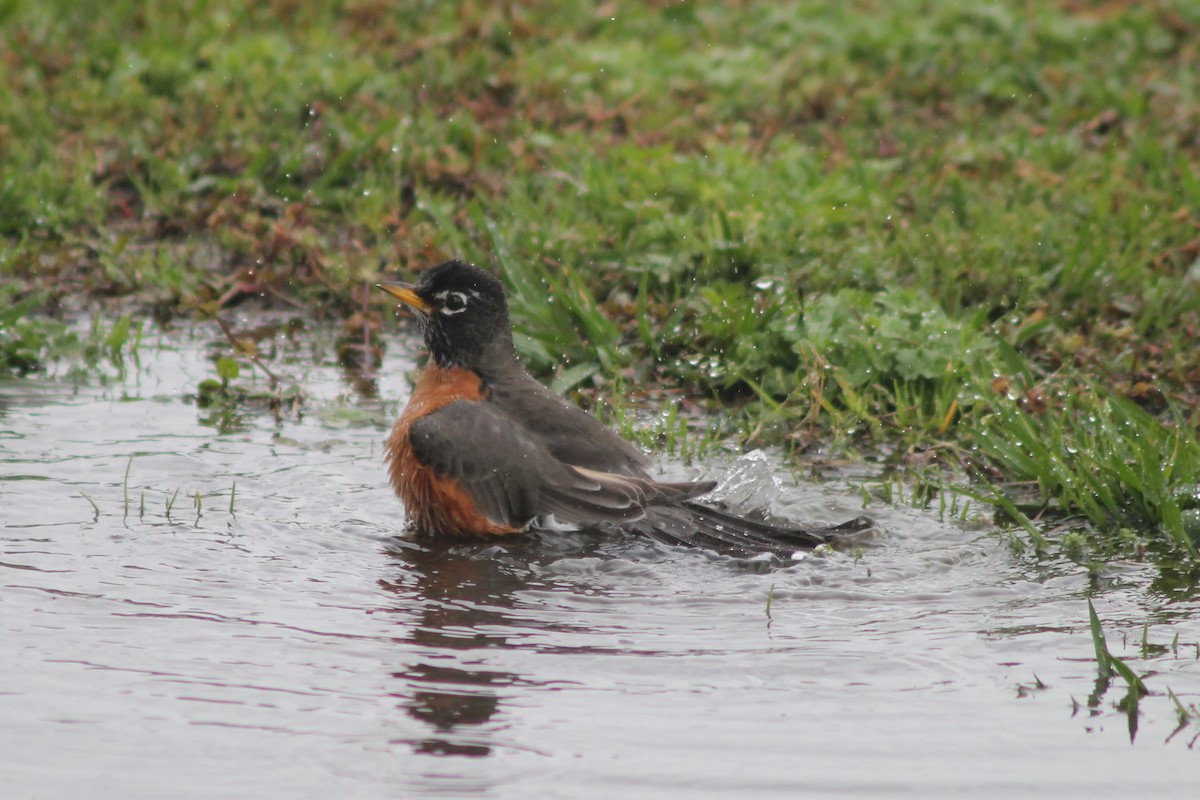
514,478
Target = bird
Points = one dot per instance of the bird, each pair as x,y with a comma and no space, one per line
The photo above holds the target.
483,449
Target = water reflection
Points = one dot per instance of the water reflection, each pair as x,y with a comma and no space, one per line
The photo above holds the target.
360,352
454,706
466,594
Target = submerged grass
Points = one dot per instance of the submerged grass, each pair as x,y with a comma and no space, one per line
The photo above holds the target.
852,226
1188,715
1110,665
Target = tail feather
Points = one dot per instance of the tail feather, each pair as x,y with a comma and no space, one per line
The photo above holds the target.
699,525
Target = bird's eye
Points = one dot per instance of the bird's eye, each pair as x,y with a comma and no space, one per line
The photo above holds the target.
454,303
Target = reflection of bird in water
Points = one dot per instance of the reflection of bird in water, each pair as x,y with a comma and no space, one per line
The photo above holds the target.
456,700
482,448
468,596
465,594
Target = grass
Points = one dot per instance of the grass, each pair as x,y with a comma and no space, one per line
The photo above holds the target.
21,340
971,231
1105,458
1188,715
1110,665
27,340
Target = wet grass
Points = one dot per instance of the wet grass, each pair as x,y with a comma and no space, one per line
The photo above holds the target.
1107,459
969,235
28,340
1189,718
1110,666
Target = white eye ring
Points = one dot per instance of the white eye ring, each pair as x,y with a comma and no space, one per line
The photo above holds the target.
454,303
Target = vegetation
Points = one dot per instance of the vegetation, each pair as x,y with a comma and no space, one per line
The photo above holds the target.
1110,665
963,232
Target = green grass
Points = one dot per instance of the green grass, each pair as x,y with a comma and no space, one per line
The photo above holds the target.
1109,665
26,339
22,340
968,230
1107,459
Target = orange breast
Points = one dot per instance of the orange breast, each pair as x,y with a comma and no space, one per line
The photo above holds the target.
433,503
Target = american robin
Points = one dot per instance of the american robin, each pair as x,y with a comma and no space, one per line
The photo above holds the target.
482,448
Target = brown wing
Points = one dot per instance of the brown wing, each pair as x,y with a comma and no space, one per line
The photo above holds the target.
514,478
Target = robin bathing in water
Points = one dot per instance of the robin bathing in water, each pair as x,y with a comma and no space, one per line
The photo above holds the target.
484,449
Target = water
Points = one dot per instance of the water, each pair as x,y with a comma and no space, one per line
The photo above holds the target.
296,647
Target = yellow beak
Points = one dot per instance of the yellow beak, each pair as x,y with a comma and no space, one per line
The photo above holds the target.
405,293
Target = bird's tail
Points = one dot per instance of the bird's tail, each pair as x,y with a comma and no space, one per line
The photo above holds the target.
700,525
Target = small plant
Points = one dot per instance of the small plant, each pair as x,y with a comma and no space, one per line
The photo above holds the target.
213,391
1108,665
125,489
1188,716
226,400
221,398
124,332
22,342
30,343
170,504
95,507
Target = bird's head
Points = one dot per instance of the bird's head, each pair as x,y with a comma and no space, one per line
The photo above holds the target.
462,312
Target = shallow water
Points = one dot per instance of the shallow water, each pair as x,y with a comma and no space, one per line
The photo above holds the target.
296,646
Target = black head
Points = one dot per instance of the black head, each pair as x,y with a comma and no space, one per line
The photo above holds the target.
463,314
